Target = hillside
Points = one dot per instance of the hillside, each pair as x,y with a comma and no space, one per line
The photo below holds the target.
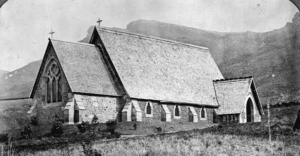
271,57
3,72
18,83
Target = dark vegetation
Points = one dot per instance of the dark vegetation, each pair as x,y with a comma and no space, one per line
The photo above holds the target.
60,137
26,132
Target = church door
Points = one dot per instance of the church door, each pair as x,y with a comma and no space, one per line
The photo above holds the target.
76,116
249,111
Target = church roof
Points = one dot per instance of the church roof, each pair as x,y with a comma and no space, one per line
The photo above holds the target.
233,93
158,69
84,68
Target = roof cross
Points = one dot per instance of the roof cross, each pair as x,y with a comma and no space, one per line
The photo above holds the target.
99,21
51,33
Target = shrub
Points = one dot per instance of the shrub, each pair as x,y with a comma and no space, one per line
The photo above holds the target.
84,126
111,126
95,120
34,120
158,129
26,132
3,138
57,129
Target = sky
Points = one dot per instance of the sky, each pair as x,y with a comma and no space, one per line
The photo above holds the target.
25,24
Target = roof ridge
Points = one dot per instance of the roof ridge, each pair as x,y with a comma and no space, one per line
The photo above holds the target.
149,37
82,43
232,79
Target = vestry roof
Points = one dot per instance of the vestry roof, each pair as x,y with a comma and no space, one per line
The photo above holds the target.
232,93
152,68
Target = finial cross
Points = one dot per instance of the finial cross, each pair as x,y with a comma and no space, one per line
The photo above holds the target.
99,21
51,33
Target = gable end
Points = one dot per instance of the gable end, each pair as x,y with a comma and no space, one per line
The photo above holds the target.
256,97
96,40
45,63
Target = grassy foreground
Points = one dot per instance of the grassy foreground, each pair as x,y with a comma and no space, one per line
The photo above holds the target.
189,143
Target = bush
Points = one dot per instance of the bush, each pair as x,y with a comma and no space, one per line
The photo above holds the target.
84,126
111,126
95,120
34,120
158,129
57,129
26,132
3,138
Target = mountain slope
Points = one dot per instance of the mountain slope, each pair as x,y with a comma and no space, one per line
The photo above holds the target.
18,83
3,72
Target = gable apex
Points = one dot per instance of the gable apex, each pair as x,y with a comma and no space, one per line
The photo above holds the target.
48,50
83,67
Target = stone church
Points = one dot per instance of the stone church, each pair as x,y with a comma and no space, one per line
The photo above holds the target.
130,77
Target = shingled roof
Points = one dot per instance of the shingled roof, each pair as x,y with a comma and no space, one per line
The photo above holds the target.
158,69
83,67
231,94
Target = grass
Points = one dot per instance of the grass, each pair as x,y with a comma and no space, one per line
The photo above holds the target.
233,139
13,114
190,143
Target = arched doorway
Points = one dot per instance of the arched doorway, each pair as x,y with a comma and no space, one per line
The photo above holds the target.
249,111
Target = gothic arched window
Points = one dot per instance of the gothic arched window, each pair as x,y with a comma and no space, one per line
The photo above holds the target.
176,111
54,89
59,89
54,84
49,90
149,109
203,114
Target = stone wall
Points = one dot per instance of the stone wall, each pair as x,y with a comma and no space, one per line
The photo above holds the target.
184,113
105,108
156,111
46,112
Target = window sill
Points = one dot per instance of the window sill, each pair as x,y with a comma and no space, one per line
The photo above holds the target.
203,118
149,115
177,117
71,123
55,104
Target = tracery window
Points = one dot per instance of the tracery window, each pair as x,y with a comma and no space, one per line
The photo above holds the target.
177,111
53,80
203,113
149,109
